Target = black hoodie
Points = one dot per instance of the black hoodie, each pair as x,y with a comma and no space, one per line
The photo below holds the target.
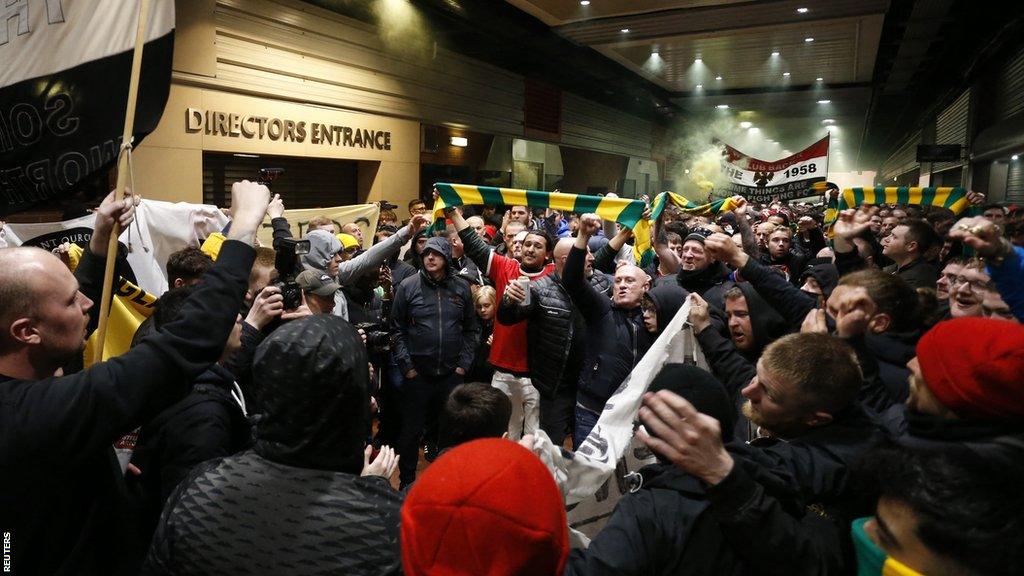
668,299
300,483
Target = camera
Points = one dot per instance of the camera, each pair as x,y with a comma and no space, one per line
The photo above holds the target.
385,205
378,339
287,264
268,175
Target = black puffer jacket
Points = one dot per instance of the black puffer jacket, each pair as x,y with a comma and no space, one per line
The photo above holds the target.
662,528
433,325
554,333
295,503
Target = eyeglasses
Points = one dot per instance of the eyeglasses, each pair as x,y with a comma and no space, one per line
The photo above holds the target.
975,285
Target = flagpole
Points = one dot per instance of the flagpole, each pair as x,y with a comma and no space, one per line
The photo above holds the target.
122,176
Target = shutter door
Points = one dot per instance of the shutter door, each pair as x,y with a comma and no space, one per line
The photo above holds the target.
1015,182
306,183
904,159
951,128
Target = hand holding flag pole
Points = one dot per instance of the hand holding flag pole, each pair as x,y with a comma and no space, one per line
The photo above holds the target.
123,172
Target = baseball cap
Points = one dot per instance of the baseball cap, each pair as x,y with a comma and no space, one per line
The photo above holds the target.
316,282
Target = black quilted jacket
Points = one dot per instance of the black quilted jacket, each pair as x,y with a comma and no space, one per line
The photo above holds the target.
245,514
555,325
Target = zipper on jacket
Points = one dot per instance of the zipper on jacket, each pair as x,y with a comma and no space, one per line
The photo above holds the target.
440,332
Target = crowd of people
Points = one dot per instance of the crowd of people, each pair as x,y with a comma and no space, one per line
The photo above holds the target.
315,407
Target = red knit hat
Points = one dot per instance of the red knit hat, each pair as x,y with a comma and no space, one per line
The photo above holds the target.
975,367
486,508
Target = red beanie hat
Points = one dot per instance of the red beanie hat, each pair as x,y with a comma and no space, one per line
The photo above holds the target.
975,367
485,508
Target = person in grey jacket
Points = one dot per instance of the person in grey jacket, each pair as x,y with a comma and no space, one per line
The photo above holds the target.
434,336
325,251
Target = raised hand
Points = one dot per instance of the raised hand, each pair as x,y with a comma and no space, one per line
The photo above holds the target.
249,201
981,234
721,247
109,212
384,465
700,315
682,435
852,223
276,207
417,223
268,305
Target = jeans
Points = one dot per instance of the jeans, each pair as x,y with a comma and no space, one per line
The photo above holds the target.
557,415
525,403
421,398
586,419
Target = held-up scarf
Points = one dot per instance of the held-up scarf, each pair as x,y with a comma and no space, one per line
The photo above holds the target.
625,211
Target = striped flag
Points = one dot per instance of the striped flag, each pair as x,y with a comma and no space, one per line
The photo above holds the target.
625,211
948,197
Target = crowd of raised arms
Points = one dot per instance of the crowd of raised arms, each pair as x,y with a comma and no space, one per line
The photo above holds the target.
858,409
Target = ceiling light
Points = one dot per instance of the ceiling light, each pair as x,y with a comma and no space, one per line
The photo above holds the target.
808,39
718,77
802,10
584,2
247,155
745,125
754,130
1014,157
700,86
785,74
828,121
775,54
459,141
687,170
697,60
824,101
819,79
624,30
722,106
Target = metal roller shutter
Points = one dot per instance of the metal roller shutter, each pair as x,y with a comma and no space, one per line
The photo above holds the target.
904,159
1015,182
307,182
951,128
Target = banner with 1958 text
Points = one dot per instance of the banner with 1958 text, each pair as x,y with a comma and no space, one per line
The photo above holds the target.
785,179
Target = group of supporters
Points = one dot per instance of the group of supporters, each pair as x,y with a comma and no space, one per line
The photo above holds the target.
863,411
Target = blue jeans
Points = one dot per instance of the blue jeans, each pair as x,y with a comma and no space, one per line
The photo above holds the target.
585,421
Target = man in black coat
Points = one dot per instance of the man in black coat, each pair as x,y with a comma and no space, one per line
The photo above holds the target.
616,338
784,501
434,332
58,491
296,501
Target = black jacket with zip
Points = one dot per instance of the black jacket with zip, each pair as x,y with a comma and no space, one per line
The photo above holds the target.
554,334
615,338
433,324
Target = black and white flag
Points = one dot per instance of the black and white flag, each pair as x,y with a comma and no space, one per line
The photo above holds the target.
65,66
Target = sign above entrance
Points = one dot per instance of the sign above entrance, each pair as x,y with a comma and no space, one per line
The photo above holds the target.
231,125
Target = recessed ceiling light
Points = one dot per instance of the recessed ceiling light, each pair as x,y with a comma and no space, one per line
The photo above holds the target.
824,101
1014,157
819,79
803,10
697,60
722,106
624,30
828,121
584,2
718,77
745,125
700,86
753,129
786,74
775,54
808,39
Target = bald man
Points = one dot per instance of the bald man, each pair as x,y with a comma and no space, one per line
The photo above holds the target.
615,335
555,342
58,487
354,230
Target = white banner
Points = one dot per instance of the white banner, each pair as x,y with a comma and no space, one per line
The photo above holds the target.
160,229
594,477
786,179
